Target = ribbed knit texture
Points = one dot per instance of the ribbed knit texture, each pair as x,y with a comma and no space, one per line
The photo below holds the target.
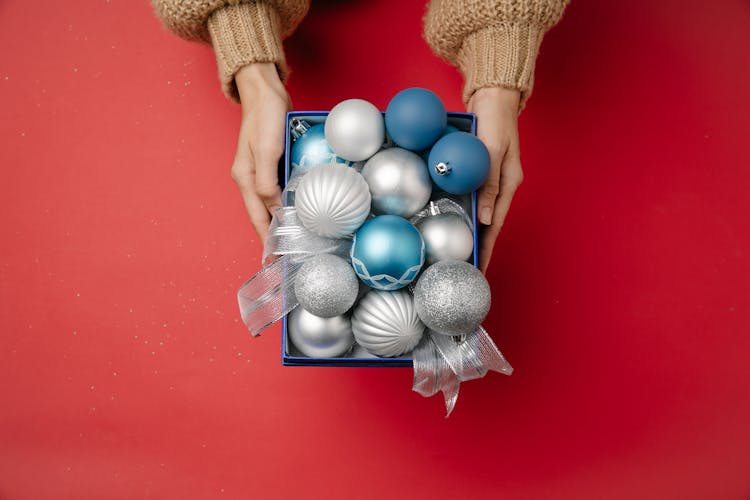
492,42
244,34
241,32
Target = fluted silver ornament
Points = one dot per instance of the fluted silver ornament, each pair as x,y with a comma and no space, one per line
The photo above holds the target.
386,323
326,285
446,237
332,200
355,129
318,337
399,182
452,297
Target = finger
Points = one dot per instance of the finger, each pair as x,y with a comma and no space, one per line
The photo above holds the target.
244,177
491,187
267,180
243,173
267,150
508,188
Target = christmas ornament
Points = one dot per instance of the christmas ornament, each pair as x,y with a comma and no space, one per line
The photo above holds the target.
386,323
449,129
326,285
415,118
446,236
310,146
452,297
318,337
332,200
355,130
459,163
399,182
387,252
360,352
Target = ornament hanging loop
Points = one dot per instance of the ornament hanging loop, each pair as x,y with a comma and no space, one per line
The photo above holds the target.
298,127
442,168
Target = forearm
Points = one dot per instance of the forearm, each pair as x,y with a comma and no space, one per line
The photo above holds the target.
494,43
240,32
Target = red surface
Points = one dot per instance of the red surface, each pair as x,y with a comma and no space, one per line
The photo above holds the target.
621,281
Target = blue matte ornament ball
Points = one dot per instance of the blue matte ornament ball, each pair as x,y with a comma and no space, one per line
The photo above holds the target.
415,118
387,252
449,129
311,148
459,163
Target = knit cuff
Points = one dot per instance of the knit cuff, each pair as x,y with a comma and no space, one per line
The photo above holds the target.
242,34
500,56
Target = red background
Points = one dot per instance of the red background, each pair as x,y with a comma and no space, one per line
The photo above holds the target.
621,280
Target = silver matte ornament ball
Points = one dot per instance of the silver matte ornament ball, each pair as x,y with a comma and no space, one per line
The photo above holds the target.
332,200
399,182
446,237
326,285
386,323
355,129
452,297
318,337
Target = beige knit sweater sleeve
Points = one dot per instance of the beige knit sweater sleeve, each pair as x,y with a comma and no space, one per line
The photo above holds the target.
241,31
493,42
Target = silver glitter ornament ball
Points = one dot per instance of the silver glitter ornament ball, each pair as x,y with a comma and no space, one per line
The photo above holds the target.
399,182
446,237
332,200
452,297
326,285
318,337
355,129
386,323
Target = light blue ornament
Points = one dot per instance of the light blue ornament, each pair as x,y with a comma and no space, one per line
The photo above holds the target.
310,146
459,163
387,252
415,118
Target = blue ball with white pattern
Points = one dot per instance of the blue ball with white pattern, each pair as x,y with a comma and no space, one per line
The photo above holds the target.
311,148
387,252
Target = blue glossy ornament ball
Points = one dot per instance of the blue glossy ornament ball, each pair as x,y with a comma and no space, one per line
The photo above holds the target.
459,163
387,252
415,118
311,148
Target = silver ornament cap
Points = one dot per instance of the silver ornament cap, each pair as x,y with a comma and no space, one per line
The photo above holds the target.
326,286
355,129
332,200
452,297
318,337
446,237
399,182
386,323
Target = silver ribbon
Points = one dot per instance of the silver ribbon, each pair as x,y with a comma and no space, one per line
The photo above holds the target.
269,295
442,362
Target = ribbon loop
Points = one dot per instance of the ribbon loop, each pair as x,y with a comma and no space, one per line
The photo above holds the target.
441,363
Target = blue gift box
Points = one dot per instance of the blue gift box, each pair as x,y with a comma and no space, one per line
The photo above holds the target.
289,355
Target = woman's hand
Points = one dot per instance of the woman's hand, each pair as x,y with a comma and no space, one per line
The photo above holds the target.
261,141
497,120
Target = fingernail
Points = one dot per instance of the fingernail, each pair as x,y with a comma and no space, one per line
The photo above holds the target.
485,216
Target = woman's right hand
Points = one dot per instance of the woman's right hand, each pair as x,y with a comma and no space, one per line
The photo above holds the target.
261,141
